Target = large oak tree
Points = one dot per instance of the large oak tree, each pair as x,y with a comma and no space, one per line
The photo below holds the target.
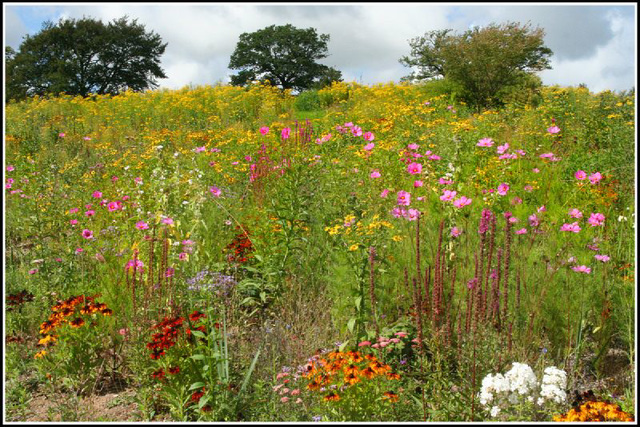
81,57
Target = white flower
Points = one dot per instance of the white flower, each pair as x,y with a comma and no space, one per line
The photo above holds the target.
521,378
495,411
553,385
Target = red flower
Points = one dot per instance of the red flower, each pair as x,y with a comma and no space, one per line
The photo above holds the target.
195,397
196,315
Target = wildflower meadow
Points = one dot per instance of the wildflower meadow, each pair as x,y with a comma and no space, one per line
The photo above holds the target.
354,253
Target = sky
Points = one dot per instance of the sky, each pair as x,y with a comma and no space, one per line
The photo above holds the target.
593,44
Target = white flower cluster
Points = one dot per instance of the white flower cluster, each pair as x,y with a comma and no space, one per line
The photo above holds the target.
520,382
553,384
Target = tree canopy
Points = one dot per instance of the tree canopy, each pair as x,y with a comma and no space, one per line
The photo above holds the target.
285,56
484,62
80,57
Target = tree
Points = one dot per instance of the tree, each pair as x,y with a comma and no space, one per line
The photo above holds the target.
79,57
284,55
484,62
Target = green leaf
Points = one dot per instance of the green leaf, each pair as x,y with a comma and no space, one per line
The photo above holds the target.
343,346
196,385
198,357
198,334
358,301
351,324
203,401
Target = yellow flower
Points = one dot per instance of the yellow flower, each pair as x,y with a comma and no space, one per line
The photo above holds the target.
353,247
397,238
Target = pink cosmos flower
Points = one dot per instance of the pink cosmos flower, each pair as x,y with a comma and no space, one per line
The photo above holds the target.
595,177
264,130
536,170
553,130
368,136
167,220
455,232
581,269
384,193
79,251
546,156
73,222
485,142
596,219
503,189
114,206
87,234
404,198
542,208
418,183
413,214
398,212
522,231
141,225
448,195
461,202
443,181
10,168
575,213
414,168
183,256
413,146
534,221
573,227
200,149
580,175
513,219
369,146
136,265
286,132
375,174
61,135
87,138
434,157
516,201
503,148
97,194
528,188
90,213
356,131
170,272
215,191
34,271
602,258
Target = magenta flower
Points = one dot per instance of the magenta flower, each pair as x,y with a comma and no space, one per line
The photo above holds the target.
87,234
581,269
286,132
368,136
573,227
167,220
141,225
61,135
596,219
485,142
546,155
375,174
169,273
369,146
97,194
575,213
73,222
542,208
183,256
114,206
461,202
404,198
413,214
602,258
34,271
417,184
87,138
137,265
356,131
79,251
448,195
413,146
534,221
443,181
90,213
503,148
535,170
414,168
522,231
503,189
264,130
398,212
553,130
10,168
364,344
455,232
215,191
580,175
595,177
384,193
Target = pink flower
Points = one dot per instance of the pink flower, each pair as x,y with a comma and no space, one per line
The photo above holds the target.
169,273
581,269
369,146
443,181
595,177
546,156
542,208
141,225
114,206
513,219
413,146
580,175
575,213
434,157
461,202
79,251
167,220
10,168
448,195
364,344
34,271
368,136
602,258
183,256
503,148
536,170
375,174
384,193
200,149
516,201
285,399
264,130
414,168
286,132
90,213
573,227
503,189
418,183
485,142
61,135
455,232
596,219
87,234
534,221
215,191
97,194
356,131
398,212
73,222
553,130
522,231
295,392
413,214
404,198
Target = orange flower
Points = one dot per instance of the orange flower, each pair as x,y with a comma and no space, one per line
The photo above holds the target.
391,396
368,373
77,322
351,378
331,397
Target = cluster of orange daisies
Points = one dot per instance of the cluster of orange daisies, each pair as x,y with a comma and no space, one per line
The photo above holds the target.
70,311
